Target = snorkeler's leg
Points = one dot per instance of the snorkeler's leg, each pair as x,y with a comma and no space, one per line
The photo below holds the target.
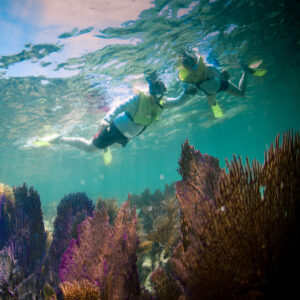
78,142
211,99
239,91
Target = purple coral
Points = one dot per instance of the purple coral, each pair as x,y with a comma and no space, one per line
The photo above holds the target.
10,274
103,256
29,237
72,209
4,223
6,219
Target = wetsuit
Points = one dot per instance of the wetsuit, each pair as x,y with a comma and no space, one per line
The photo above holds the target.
127,121
211,85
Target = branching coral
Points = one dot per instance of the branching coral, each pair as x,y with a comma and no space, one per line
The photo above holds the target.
157,244
105,255
80,290
150,204
13,285
29,237
111,205
7,191
236,243
25,245
72,209
49,293
7,203
10,274
164,286
165,227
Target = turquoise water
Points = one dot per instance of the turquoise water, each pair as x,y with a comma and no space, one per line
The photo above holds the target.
64,77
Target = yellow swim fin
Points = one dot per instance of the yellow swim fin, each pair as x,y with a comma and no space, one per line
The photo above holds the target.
107,156
217,111
39,143
253,68
45,141
259,72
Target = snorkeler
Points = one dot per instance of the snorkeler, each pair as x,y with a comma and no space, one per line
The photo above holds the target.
196,75
124,122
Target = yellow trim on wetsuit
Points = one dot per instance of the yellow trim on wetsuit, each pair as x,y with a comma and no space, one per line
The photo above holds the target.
148,110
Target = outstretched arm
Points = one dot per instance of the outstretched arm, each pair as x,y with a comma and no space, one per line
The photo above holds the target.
182,98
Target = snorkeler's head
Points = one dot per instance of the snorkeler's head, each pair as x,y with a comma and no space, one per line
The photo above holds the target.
188,59
157,88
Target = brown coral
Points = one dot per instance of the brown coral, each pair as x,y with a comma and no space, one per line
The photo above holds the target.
236,243
164,286
49,293
157,244
165,227
111,206
80,290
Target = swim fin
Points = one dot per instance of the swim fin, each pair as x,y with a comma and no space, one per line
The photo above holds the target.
217,111
45,141
107,156
253,68
259,72
255,64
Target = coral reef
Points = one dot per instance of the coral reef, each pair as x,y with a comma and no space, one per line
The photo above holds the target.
7,204
157,246
13,285
10,274
150,204
111,205
158,230
164,286
29,237
25,244
165,232
228,235
8,192
49,292
235,242
72,210
80,290
105,255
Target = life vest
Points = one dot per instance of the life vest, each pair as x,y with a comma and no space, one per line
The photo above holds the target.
148,110
193,76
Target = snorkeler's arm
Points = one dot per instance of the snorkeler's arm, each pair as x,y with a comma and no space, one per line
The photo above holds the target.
173,102
182,98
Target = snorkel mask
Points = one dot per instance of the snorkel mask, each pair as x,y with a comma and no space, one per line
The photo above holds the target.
188,60
157,88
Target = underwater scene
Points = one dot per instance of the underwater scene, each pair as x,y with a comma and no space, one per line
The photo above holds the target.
149,149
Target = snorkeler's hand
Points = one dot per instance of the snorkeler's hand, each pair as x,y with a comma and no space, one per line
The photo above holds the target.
102,124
